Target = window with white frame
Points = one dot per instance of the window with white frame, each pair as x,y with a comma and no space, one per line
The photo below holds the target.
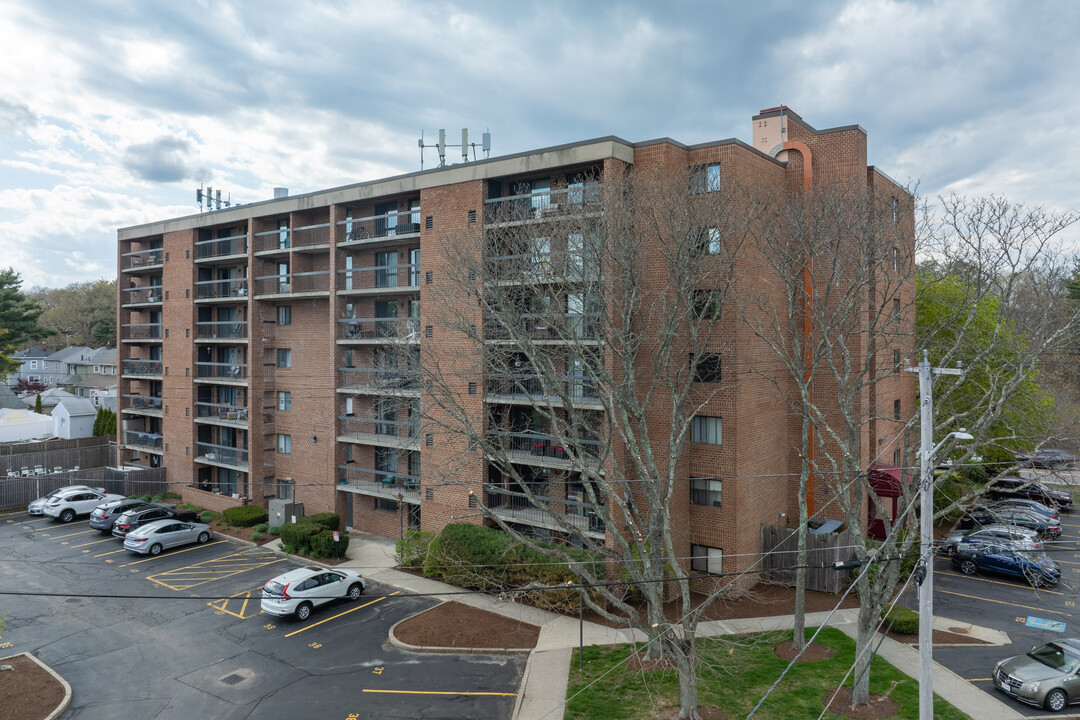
706,559
33,364
707,242
284,444
284,400
705,491
707,430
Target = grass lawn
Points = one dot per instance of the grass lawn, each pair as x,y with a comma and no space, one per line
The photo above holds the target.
734,682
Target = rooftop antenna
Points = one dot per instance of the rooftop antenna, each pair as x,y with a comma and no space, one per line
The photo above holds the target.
440,146
213,201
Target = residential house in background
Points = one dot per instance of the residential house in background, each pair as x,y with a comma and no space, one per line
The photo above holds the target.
94,372
31,365
49,399
10,400
57,365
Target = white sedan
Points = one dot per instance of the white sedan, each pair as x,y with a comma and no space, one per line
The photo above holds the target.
68,504
160,535
298,591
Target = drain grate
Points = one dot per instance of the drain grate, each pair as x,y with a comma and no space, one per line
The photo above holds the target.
232,679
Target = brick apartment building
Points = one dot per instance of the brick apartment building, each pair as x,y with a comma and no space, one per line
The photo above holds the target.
272,349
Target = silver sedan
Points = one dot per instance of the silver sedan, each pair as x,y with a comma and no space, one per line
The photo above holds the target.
160,535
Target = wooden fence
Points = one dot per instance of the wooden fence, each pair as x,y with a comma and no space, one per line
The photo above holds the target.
780,546
16,493
64,454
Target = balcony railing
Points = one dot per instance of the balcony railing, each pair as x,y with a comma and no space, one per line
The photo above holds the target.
400,328
221,411
315,281
134,295
356,427
221,247
547,326
381,483
285,239
227,330
141,331
377,379
208,289
533,445
379,276
145,440
534,387
222,371
140,367
143,402
141,259
516,507
392,224
551,203
222,454
542,267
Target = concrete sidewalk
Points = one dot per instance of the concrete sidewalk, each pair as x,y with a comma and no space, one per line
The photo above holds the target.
542,695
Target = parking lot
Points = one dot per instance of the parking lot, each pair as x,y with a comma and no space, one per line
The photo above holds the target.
1029,616
180,635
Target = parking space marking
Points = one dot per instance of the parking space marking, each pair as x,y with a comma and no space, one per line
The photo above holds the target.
437,692
58,528
334,617
27,522
1002,602
171,554
210,570
95,542
996,582
979,679
81,532
111,552
244,596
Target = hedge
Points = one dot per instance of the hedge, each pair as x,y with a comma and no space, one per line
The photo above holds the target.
328,520
323,545
298,535
245,515
904,620
313,535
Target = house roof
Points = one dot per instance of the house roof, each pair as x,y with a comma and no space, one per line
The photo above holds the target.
71,353
77,406
103,356
34,352
8,399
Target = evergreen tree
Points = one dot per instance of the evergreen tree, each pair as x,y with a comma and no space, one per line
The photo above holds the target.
98,423
37,405
18,319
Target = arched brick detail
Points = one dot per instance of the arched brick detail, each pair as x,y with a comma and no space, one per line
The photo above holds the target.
807,170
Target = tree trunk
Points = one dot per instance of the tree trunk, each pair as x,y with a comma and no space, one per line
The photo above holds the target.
868,616
684,656
799,638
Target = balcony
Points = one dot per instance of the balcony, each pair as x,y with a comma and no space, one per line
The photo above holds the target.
142,405
515,507
317,281
378,483
221,414
222,456
534,389
141,368
546,451
226,330
141,295
379,381
391,226
564,327
146,441
140,331
232,248
379,280
142,260
383,433
220,371
234,289
379,330
309,237
540,205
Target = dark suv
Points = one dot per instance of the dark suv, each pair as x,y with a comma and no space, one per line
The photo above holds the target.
141,516
1014,487
105,515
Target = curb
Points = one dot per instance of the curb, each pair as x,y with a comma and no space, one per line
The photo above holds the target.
402,645
64,683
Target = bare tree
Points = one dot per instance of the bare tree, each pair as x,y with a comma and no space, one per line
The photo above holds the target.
592,317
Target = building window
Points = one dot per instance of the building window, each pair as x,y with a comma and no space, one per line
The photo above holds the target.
896,308
707,241
284,315
895,210
284,400
707,304
706,559
284,444
705,491
896,457
349,412
896,409
896,361
384,504
33,364
284,357
896,259
705,179
707,430
285,489
707,369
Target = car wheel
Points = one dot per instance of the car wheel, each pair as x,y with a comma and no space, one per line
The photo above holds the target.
355,591
67,516
303,611
1035,578
968,567
1056,700
204,537
155,549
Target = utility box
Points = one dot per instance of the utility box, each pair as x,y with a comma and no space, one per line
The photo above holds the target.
283,511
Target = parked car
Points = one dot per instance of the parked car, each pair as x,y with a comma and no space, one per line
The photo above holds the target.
1022,538
137,517
1045,677
70,503
1002,488
1050,458
1020,517
160,535
299,591
1031,505
37,507
1036,568
105,515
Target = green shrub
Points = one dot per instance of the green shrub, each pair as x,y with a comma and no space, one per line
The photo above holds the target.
274,530
411,550
286,548
327,520
208,516
172,496
298,535
158,499
904,620
323,545
245,515
257,536
261,527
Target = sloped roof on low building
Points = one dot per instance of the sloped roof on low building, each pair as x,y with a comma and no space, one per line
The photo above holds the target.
103,356
72,353
8,399
77,406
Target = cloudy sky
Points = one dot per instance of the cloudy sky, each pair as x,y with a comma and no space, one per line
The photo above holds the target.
112,112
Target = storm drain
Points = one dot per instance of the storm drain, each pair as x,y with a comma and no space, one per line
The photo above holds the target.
232,679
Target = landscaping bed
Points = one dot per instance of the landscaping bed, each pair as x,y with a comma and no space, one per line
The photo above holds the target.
457,625
27,691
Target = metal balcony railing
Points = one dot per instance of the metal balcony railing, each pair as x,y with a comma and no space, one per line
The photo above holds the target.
355,427
399,328
142,402
544,446
140,367
209,289
145,440
381,483
394,224
285,239
546,326
516,507
379,276
135,295
141,331
378,379
142,259
532,386
228,330
223,371
539,267
315,281
549,203
221,411
222,454
221,247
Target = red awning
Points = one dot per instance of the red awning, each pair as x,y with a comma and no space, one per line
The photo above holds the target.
886,481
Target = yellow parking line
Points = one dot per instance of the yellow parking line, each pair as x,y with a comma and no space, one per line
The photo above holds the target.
193,547
81,532
203,578
1002,602
95,542
58,528
995,582
111,552
358,607
27,522
225,603
979,679
436,692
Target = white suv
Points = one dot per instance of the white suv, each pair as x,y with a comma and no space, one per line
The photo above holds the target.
298,591
67,505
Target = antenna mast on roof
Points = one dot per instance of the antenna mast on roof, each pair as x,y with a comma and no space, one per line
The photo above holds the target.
465,145
212,202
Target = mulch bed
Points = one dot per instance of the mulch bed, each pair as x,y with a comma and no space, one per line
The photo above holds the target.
813,652
880,707
941,637
457,625
27,691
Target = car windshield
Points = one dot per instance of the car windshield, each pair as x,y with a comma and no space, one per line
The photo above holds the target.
274,587
1056,657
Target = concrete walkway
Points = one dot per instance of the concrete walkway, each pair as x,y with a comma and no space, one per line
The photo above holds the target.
543,687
